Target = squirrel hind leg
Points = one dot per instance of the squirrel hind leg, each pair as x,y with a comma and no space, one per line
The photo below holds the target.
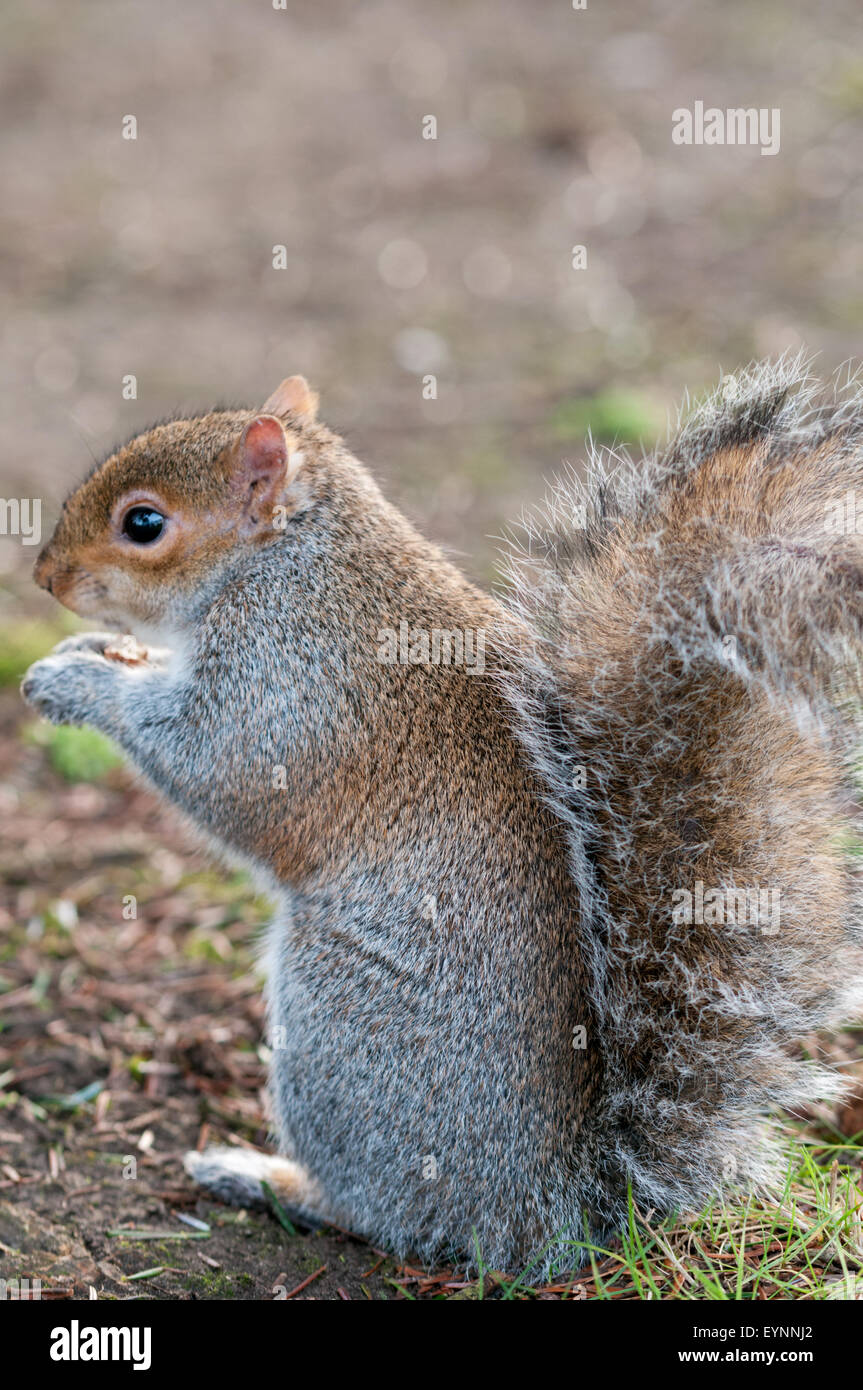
236,1177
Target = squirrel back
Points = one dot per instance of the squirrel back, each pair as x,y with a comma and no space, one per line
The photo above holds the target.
559,875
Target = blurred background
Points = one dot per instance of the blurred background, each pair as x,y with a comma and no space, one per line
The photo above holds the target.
404,257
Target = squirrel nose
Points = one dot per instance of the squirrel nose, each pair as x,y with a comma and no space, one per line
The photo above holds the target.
44,571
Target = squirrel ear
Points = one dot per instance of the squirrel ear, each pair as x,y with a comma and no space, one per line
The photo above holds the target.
294,397
263,468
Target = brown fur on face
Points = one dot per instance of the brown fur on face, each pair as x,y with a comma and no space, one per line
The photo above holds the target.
190,471
91,567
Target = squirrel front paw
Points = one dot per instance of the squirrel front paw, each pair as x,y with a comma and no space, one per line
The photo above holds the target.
73,685
84,642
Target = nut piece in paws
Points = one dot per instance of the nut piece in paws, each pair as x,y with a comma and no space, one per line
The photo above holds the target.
127,649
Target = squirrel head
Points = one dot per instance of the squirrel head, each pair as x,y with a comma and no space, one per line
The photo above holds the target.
142,539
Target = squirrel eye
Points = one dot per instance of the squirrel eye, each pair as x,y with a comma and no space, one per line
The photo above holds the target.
143,524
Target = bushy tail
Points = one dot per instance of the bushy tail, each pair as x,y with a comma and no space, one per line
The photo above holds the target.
691,705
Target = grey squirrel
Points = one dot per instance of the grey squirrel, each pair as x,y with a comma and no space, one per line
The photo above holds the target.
550,922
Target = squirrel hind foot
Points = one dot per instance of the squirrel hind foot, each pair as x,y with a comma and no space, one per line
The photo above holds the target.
236,1177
